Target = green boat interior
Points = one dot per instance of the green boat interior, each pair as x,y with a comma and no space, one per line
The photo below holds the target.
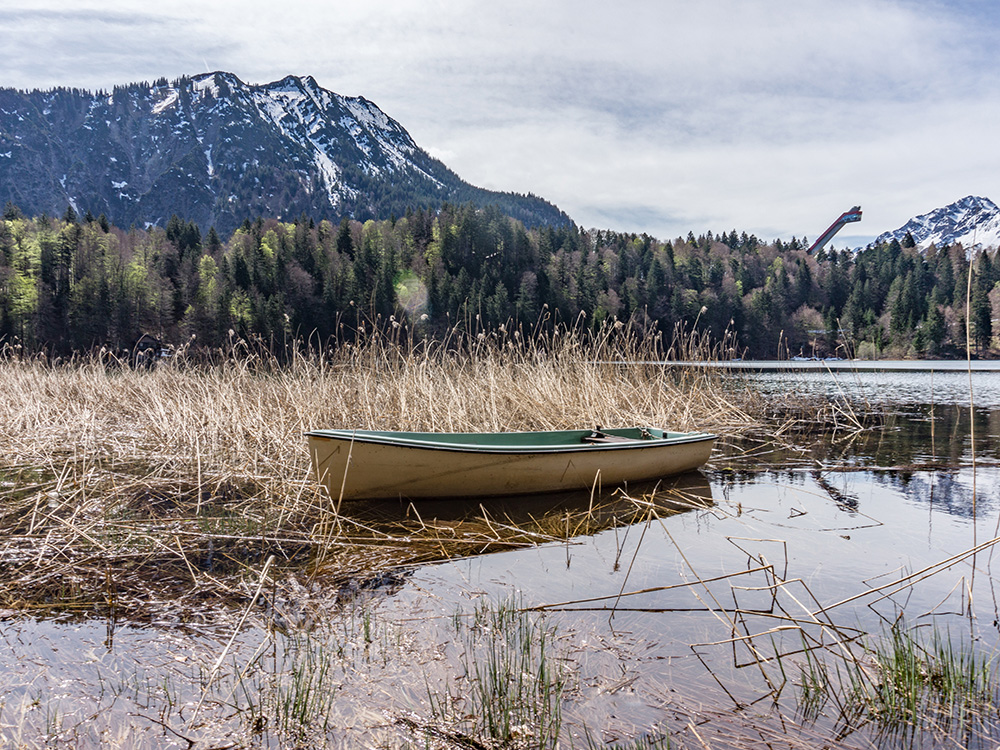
534,440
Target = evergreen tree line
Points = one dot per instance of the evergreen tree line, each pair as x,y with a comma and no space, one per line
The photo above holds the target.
74,284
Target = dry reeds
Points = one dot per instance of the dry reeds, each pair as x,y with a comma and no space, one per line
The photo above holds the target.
190,473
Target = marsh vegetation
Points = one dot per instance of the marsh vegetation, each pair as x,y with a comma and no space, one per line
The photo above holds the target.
169,512
191,473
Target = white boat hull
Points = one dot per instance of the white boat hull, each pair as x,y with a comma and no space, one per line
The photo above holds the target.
356,465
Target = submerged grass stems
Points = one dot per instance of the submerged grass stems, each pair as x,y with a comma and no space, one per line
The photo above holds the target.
511,692
292,693
646,742
905,686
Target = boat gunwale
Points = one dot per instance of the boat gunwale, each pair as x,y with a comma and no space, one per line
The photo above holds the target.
390,439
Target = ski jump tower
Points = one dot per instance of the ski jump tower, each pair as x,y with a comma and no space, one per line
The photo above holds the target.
845,218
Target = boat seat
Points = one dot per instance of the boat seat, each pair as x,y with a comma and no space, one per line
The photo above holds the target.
600,437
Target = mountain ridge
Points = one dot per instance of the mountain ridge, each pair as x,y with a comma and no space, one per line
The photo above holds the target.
973,221
217,151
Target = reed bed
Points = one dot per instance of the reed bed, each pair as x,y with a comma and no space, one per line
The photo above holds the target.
134,489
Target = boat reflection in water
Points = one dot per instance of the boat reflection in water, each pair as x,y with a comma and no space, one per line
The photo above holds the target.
553,515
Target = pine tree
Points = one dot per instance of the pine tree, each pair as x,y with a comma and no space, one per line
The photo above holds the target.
345,242
981,315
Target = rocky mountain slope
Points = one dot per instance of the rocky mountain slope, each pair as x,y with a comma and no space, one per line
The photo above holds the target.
972,221
215,150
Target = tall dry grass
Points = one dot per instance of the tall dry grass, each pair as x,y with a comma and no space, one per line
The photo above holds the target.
245,411
197,468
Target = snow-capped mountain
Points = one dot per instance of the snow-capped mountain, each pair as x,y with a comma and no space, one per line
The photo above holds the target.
215,150
972,221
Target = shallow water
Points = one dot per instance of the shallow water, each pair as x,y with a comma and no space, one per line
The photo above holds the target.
863,546
667,623
925,382
782,549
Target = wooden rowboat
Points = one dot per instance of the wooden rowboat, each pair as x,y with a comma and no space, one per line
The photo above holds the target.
368,464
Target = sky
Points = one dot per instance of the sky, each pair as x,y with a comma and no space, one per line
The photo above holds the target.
659,116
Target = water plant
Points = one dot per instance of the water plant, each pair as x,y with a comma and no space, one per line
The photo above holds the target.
295,697
643,742
906,684
511,692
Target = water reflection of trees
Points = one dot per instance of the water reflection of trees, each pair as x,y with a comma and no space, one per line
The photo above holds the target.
948,491
915,436
919,435
923,452
945,490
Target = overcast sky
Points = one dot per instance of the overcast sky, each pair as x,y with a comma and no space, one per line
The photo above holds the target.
765,116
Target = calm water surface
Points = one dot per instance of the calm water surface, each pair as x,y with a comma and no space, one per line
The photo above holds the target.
665,622
923,382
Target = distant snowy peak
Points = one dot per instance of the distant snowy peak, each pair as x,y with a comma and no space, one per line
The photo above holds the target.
321,112
972,221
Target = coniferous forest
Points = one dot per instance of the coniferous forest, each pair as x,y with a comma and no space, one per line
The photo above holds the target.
74,284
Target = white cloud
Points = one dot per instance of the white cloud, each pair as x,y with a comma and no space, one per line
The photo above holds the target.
761,115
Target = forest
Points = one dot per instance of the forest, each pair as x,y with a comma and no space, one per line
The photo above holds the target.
77,284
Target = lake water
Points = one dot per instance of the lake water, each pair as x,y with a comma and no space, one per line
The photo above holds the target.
928,382
671,625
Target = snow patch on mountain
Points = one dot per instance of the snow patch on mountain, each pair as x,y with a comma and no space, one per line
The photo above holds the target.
313,117
208,84
169,100
292,108
972,221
